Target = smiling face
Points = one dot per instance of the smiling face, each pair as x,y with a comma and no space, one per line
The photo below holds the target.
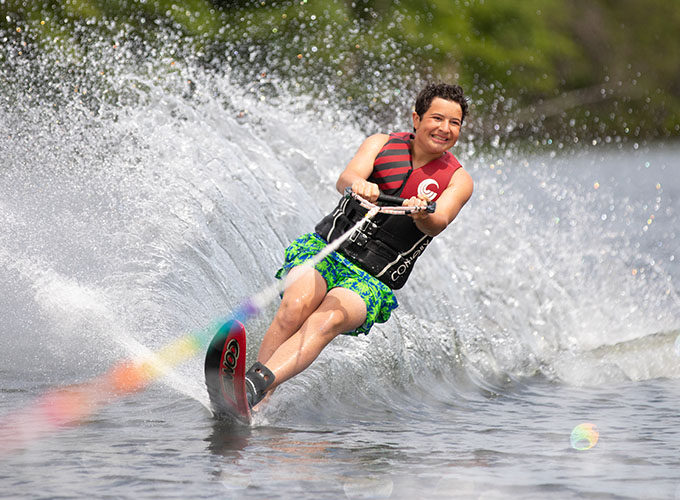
438,129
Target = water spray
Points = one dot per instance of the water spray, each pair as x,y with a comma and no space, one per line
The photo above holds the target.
64,407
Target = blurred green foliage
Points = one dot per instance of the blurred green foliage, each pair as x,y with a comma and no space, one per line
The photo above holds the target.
540,68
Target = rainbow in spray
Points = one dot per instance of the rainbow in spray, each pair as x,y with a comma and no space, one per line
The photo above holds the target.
64,407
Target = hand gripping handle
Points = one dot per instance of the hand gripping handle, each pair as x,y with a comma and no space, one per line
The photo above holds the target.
395,200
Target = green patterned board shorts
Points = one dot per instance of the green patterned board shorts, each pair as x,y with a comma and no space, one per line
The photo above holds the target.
338,271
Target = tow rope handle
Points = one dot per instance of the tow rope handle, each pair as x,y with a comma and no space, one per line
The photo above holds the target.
396,200
392,200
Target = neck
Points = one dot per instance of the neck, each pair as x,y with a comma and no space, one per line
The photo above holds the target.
419,158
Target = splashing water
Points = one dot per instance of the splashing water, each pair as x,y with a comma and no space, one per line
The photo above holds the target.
164,195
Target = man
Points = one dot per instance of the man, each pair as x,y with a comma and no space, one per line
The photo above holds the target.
351,289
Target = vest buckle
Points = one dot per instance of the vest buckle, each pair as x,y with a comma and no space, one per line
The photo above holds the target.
358,238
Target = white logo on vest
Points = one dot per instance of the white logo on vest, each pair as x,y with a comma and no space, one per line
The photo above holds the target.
423,188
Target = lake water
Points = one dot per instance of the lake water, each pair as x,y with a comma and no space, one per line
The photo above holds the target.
550,306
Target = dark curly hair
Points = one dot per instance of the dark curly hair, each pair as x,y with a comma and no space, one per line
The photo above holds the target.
444,91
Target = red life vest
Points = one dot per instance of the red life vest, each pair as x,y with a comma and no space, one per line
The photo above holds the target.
388,245
394,174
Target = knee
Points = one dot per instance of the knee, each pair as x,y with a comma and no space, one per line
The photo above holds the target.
291,313
331,323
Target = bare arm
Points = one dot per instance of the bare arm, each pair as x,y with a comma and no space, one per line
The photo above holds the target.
360,167
449,203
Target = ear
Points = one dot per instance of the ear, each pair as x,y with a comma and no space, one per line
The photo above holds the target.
416,120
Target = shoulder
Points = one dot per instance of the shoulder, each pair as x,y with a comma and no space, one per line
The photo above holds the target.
372,146
406,137
451,160
362,162
461,181
459,177
375,141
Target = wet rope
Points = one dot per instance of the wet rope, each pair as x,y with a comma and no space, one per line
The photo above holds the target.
64,407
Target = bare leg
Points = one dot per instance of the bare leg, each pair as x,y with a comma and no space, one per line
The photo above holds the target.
341,310
304,292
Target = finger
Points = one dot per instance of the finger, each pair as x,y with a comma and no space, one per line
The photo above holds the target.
374,192
411,202
365,189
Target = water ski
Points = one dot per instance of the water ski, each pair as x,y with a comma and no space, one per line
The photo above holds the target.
225,369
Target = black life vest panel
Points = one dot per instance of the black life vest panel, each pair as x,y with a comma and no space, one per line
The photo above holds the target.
387,246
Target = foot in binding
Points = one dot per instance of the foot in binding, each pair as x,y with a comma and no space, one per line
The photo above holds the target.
258,380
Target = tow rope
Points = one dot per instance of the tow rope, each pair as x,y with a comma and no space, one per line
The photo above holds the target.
66,406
